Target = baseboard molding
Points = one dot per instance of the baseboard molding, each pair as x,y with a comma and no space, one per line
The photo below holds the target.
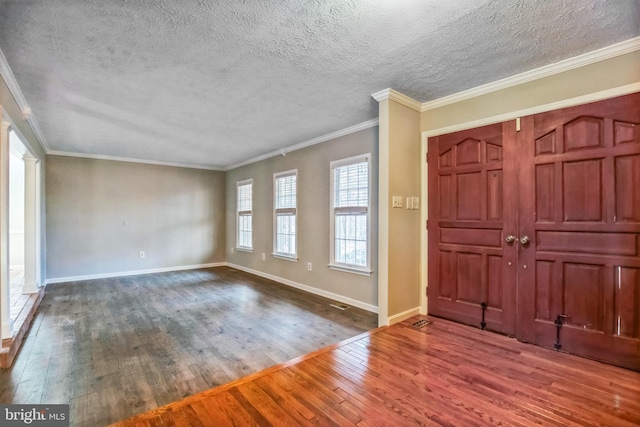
306,288
133,273
397,318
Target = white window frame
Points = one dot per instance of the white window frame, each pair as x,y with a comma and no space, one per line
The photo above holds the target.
276,212
240,213
350,268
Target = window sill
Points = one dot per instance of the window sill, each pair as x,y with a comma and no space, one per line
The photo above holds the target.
285,257
353,270
241,249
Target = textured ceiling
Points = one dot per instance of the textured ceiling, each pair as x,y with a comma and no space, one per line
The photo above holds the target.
213,83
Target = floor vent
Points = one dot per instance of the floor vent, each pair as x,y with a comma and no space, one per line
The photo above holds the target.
339,306
420,323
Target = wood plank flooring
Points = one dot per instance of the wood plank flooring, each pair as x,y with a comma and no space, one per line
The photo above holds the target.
113,348
444,374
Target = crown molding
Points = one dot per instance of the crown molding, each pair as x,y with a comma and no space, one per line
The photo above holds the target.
16,92
398,97
618,49
130,160
327,137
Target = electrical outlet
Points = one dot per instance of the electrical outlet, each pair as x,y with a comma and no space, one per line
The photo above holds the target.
232,250
263,256
309,266
141,254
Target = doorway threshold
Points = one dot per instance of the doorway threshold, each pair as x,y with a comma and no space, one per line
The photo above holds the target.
25,314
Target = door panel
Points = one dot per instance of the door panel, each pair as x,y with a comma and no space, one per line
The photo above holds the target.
580,203
467,219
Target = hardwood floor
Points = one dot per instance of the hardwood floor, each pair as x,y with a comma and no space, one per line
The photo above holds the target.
113,348
444,374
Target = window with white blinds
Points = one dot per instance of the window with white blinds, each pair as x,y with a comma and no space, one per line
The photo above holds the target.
285,214
244,204
350,219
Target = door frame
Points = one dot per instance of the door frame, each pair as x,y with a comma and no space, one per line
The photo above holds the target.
424,171
33,214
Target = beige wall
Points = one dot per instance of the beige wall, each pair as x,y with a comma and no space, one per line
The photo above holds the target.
312,164
101,214
596,77
399,227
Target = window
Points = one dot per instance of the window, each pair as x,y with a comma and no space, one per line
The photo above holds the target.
350,229
285,213
245,214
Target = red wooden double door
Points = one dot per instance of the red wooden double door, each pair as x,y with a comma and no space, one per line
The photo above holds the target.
542,226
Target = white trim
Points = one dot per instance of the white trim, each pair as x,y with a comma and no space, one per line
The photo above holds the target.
397,318
132,273
14,88
384,179
571,102
39,233
31,236
323,138
284,257
598,55
349,269
6,325
424,216
131,160
312,290
400,98
16,267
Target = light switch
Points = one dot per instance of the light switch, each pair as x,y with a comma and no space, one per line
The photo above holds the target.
397,201
413,203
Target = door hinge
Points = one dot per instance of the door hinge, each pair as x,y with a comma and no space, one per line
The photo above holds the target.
517,124
426,225
426,157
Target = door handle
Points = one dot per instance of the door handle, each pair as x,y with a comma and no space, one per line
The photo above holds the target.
524,240
510,239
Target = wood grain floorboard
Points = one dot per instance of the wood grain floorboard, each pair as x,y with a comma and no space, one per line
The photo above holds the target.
114,348
444,374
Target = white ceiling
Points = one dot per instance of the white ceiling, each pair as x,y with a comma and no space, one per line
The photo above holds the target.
213,83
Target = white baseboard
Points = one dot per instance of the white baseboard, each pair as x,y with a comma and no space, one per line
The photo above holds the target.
397,318
132,273
306,288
